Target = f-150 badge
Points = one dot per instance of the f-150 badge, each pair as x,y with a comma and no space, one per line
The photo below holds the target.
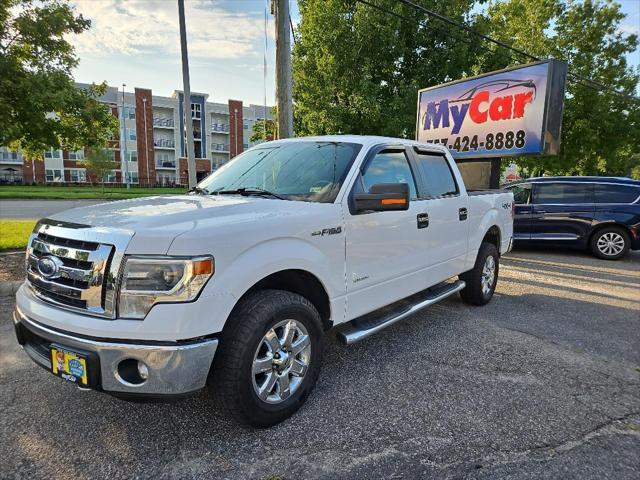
327,231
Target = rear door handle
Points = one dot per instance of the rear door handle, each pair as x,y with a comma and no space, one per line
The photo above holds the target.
463,213
423,220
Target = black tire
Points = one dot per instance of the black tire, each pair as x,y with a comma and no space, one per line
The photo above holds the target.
473,292
232,380
599,248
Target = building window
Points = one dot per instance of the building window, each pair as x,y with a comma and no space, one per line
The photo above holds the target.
129,113
133,177
53,175
246,125
51,153
77,155
245,145
196,111
78,175
110,177
133,156
131,133
8,156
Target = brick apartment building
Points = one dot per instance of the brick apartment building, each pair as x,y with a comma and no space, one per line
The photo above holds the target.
150,129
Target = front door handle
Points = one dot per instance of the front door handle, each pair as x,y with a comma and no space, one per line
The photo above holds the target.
463,213
423,220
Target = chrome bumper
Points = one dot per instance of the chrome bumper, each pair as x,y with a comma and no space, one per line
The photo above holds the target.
174,369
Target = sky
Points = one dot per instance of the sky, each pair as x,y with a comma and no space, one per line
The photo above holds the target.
137,42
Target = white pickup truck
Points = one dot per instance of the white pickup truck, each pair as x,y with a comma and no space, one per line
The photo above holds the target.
232,286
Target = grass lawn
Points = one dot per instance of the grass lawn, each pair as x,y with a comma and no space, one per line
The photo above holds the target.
15,233
74,192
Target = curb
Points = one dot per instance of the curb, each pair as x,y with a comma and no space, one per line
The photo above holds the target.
8,289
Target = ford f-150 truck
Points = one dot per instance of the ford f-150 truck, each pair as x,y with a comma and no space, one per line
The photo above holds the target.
232,285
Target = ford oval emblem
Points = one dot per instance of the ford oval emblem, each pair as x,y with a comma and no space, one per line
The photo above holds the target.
49,267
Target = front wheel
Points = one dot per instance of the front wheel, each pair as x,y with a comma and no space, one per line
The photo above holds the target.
481,281
269,357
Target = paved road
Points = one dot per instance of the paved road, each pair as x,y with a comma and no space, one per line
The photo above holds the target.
28,209
544,382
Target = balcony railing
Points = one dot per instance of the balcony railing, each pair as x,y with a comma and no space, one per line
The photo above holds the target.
163,122
219,128
165,163
164,143
220,147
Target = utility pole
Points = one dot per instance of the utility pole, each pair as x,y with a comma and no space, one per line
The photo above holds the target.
283,70
123,144
186,103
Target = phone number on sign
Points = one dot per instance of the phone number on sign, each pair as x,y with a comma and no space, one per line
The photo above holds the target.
492,141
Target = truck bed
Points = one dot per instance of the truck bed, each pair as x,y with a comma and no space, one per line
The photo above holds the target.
488,191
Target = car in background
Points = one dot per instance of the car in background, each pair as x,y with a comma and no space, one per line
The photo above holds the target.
601,214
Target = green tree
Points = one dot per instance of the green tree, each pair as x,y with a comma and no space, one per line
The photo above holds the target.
601,130
99,163
260,127
40,106
357,69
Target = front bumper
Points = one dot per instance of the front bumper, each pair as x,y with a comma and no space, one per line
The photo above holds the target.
175,369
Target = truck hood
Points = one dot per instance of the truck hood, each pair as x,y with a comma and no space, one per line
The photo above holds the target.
154,222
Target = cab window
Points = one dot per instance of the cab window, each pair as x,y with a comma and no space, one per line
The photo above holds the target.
436,175
388,166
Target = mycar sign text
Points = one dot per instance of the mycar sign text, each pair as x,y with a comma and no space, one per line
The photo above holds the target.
512,112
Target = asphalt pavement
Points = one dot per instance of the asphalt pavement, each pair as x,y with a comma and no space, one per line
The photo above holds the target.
544,382
36,209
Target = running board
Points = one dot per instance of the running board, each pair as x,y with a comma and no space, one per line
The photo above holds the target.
367,325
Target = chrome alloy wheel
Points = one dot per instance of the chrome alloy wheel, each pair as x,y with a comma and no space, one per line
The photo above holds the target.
488,275
281,361
610,244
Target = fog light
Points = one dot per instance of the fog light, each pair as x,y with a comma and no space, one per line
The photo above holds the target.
132,372
143,371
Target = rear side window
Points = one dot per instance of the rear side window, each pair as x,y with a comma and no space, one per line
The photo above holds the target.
563,193
436,175
521,194
616,193
389,167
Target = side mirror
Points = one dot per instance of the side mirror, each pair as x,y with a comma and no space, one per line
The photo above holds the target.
383,197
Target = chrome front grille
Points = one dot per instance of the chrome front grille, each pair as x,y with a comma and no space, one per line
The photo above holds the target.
70,273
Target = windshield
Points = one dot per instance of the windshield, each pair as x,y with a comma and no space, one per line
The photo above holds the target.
304,170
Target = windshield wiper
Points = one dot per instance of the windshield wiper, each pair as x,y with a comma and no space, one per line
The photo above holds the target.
199,190
246,191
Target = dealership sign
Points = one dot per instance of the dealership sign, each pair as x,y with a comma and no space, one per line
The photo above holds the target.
511,112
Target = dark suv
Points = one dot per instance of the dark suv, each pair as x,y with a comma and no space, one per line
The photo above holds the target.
598,213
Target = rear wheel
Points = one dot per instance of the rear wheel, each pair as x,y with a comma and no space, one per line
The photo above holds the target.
610,243
481,281
269,357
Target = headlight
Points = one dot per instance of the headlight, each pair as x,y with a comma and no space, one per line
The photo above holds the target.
150,280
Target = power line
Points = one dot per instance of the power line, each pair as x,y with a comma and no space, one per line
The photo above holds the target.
576,77
450,21
454,23
431,27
